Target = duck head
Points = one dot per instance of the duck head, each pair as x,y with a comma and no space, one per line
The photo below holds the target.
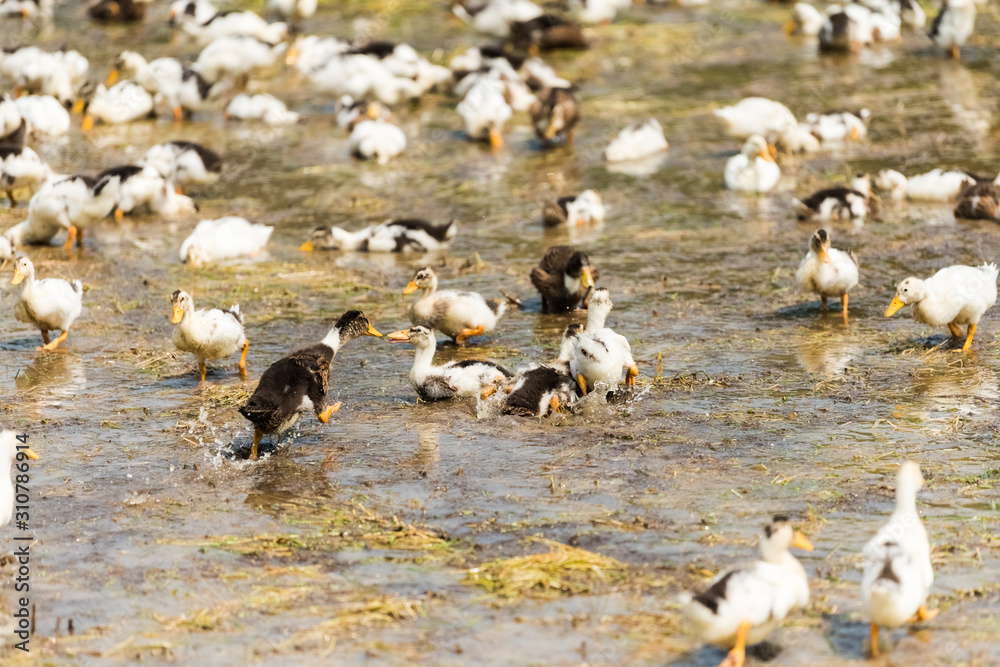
911,290
778,537
424,279
181,302
820,244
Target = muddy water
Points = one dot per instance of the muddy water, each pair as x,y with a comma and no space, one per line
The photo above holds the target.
160,544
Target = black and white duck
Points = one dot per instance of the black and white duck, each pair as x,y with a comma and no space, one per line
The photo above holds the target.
585,208
300,381
543,389
184,163
405,235
953,25
181,88
564,278
840,203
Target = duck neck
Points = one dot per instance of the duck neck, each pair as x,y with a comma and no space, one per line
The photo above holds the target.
906,499
596,317
423,362
333,340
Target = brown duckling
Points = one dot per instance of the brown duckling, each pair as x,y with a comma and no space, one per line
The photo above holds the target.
554,114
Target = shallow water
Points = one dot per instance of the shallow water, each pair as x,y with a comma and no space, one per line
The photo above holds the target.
160,546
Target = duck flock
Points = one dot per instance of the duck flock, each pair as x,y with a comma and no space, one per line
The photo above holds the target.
50,94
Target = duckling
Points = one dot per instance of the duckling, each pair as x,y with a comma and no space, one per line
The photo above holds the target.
542,389
376,140
936,185
50,304
183,163
753,169
639,140
360,75
262,107
582,209
953,25
300,381
484,111
546,33
124,102
208,334
469,378
21,167
226,238
599,354
44,115
554,114
144,187
8,453
292,10
980,202
898,572
183,89
837,126
495,17
564,278
407,235
230,24
118,10
743,605
457,314
827,271
236,56
756,115
838,203
71,203
404,63
806,20
954,295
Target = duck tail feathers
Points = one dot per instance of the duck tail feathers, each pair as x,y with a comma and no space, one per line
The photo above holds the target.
990,269
498,306
235,312
77,286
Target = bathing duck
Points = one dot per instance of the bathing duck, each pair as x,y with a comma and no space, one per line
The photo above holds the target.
118,10
264,107
72,203
300,381
51,304
753,169
539,392
898,572
599,354
311,52
839,203
979,202
8,453
457,314
953,25
936,185
183,163
585,208
209,333
377,140
226,238
743,605
639,140
124,102
469,378
554,114
954,295
181,88
484,111
407,235
827,271
236,56
564,278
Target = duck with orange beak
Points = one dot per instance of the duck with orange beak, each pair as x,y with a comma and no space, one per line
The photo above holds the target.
457,314
827,271
953,296
754,168
208,334
554,115
51,304
300,382
744,605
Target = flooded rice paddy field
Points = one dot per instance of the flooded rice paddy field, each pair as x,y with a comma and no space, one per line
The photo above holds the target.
381,537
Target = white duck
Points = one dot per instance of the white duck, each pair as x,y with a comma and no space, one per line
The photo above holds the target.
144,188
178,86
33,70
295,10
229,24
225,238
71,203
753,169
311,52
8,453
350,112
806,20
745,604
838,126
46,116
236,56
360,75
183,163
953,25
261,107
377,140
585,208
51,304
639,140
124,102
898,572
405,235
827,271
484,111
469,378
954,295
457,314
936,185
209,333
21,167
756,116
846,28
599,354
495,16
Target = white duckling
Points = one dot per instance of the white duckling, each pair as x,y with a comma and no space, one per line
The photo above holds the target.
8,453
806,20
469,378
405,235
936,185
71,203
838,126
953,25
484,111
226,238
184,163
756,116
144,188
294,10
639,140
585,208
263,107
377,140
599,354
360,75
516,92
898,573
33,70
51,304
494,17
209,333
46,116
22,168
457,314
310,52
404,63
236,56
124,102
827,271
840,203
744,605
753,169
178,86
954,295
